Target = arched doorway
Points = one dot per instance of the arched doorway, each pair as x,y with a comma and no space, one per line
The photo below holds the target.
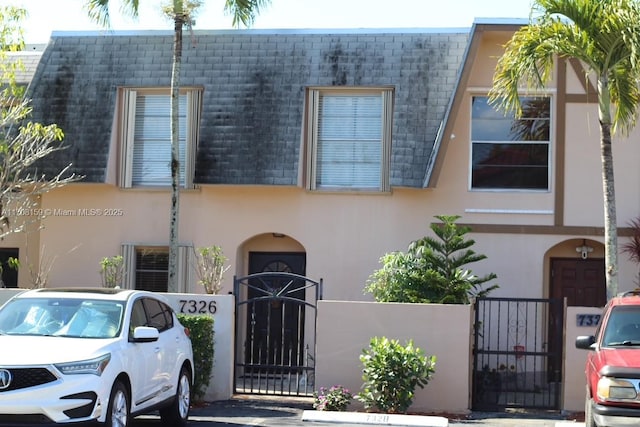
275,318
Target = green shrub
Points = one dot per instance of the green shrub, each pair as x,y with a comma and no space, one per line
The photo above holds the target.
432,270
201,332
337,398
112,271
391,374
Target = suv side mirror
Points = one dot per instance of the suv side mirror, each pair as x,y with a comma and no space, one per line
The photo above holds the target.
145,334
585,342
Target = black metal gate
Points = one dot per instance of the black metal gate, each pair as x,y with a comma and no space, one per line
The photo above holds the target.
275,333
518,347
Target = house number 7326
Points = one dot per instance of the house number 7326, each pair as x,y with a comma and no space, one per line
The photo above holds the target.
193,306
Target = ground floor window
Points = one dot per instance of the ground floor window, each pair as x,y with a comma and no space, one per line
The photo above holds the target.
147,267
152,269
9,273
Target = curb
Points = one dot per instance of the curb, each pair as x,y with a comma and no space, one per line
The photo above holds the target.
377,419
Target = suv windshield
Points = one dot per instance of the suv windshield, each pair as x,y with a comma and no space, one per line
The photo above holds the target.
68,317
623,326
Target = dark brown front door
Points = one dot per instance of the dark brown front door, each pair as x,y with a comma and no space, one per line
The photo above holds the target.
581,281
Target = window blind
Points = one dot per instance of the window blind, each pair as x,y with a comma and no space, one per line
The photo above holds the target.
349,141
152,140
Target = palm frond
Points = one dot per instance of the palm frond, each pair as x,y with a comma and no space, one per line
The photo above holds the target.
98,10
626,96
244,12
603,34
527,62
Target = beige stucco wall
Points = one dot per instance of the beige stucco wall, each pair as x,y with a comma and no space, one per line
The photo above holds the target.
342,235
345,328
575,359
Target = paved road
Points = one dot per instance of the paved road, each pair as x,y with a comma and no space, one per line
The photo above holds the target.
252,412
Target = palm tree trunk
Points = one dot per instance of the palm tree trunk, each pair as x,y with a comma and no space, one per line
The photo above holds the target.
172,285
608,188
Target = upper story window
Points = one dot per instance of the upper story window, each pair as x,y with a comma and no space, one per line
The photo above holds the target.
509,153
349,139
145,152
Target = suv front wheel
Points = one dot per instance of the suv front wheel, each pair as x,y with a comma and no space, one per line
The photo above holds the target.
177,413
118,410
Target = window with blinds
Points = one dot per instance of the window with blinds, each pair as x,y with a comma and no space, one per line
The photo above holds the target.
152,269
146,137
147,267
350,139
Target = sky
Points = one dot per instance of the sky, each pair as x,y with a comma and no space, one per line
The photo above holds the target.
46,16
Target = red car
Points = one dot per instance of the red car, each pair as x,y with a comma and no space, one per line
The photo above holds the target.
613,365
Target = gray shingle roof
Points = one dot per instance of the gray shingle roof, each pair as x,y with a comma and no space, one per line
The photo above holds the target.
28,60
254,86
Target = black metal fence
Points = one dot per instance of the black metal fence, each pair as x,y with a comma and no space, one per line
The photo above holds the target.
518,348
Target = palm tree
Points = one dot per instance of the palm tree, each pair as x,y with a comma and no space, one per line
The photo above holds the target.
181,12
604,35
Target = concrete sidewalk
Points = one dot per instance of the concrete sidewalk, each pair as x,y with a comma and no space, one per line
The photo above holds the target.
288,412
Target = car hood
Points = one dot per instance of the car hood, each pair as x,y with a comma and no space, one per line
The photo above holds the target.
40,350
619,357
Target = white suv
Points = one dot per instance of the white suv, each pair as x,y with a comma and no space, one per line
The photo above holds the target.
106,355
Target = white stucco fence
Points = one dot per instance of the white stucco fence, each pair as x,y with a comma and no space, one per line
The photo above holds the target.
222,308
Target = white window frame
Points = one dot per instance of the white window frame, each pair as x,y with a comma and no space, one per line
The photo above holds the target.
129,164
314,141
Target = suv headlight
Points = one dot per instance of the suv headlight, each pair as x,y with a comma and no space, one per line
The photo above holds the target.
92,366
615,389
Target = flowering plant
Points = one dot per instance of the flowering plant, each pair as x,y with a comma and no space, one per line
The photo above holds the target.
337,398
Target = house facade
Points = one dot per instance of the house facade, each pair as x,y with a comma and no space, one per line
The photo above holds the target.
316,152
322,150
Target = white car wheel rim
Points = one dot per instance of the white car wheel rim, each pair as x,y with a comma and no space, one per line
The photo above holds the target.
184,396
119,410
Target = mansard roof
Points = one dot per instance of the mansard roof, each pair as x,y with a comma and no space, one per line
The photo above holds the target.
254,85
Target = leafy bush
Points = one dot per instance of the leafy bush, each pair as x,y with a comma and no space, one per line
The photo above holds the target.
210,268
337,398
112,271
431,271
201,333
391,374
